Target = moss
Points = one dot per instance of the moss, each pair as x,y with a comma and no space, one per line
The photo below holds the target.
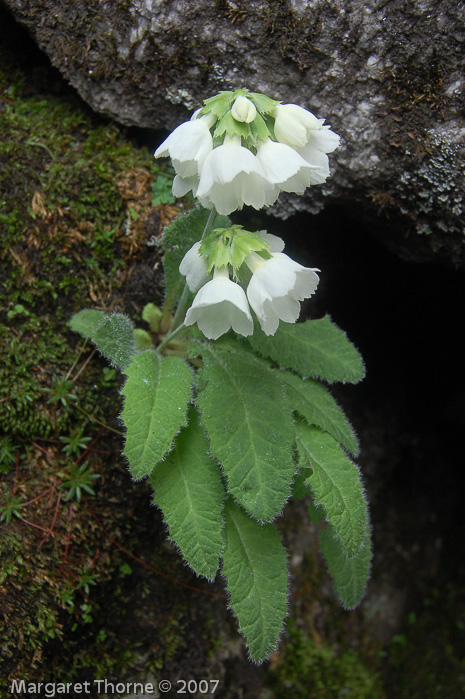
414,87
60,172
76,219
82,211
71,183
309,669
25,598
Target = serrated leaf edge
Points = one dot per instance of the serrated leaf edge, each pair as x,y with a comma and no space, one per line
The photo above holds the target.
170,448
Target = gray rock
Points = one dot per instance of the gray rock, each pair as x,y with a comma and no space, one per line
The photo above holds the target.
387,75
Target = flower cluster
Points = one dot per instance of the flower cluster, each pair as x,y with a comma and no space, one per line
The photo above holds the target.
274,284
245,148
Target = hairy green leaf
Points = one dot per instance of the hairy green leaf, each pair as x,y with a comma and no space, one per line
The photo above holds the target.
299,488
188,490
178,238
142,339
156,394
316,512
250,427
335,482
314,402
85,322
114,338
316,348
152,315
254,564
350,575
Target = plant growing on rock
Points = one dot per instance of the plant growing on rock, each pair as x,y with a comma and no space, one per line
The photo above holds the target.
226,410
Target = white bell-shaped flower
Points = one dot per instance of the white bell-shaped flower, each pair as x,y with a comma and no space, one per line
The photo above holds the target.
188,146
194,267
220,304
299,128
276,288
293,124
232,176
284,167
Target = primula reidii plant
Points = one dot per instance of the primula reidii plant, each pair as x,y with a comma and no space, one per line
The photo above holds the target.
224,406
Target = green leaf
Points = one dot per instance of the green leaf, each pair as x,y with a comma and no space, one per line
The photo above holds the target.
316,512
152,315
299,488
254,564
161,191
316,348
85,322
178,238
142,339
336,484
114,338
314,402
250,427
156,394
188,490
350,575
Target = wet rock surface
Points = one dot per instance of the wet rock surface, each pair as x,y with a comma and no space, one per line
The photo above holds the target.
388,77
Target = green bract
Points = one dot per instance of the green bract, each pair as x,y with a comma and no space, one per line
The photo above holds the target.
220,108
225,124
230,246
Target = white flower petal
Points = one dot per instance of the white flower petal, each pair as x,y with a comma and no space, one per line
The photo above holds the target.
194,267
276,287
188,146
268,318
232,176
316,157
274,241
273,277
220,305
310,138
324,139
284,167
306,283
293,123
286,308
183,185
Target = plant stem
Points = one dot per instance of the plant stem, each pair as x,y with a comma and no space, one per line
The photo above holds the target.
210,221
171,336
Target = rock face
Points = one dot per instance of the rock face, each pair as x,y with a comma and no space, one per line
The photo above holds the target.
388,77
